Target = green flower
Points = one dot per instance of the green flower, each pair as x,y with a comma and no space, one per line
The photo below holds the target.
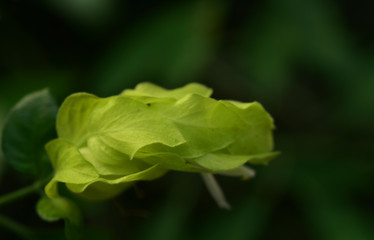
106,144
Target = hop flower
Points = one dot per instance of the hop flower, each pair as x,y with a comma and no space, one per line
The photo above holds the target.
106,144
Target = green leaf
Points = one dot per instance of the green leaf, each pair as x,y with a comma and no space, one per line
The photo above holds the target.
60,208
31,123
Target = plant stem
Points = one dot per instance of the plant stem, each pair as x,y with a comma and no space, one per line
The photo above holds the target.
16,227
215,190
20,193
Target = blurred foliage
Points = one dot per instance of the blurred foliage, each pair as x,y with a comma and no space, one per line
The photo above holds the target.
310,63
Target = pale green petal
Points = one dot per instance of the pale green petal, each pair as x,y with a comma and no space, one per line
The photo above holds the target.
152,90
263,158
206,124
74,116
256,127
98,191
69,165
172,161
242,171
108,186
217,162
108,160
51,189
148,174
83,116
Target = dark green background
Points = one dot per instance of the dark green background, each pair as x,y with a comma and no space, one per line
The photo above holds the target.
310,63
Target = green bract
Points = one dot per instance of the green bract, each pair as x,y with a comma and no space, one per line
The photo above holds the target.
105,144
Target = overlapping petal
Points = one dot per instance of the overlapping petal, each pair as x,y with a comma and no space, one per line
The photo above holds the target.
106,144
